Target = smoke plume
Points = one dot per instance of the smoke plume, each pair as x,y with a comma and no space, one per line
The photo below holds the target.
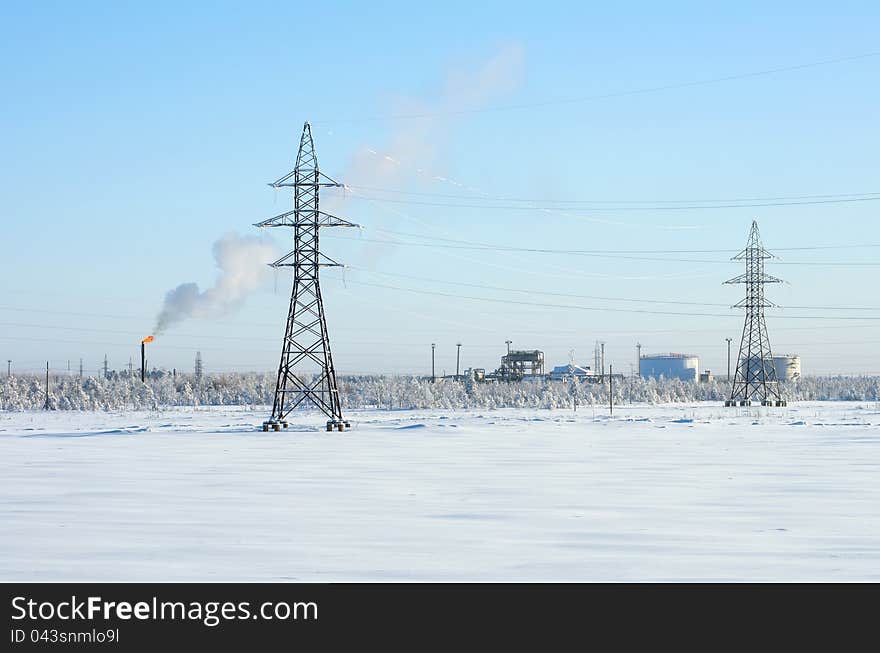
410,154
242,259
242,263
418,142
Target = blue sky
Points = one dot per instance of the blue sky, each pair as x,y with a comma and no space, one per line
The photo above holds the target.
136,135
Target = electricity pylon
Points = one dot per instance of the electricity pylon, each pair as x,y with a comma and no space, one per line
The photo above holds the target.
306,341
755,375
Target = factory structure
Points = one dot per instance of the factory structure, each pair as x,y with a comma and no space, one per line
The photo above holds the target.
788,368
687,367
571,372
670,366
306,338
526,365
755,375
519,364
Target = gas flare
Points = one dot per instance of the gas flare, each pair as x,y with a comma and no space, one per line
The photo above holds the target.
147,339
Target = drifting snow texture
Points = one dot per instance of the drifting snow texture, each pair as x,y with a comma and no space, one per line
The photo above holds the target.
653,493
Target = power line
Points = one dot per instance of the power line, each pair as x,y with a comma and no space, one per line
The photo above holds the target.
688,207
200,336
441,281
612,251
604,96
528,291
538,292
589,253
480,246
484,196
591,308
119,316
55,312
631,251
358,343
621,334
127,345
117,331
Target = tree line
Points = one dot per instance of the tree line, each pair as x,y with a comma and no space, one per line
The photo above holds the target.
122,392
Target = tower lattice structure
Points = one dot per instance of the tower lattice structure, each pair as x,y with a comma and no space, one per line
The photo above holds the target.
755,376
306,343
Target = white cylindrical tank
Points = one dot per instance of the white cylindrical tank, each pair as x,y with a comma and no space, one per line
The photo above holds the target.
670,366
788,368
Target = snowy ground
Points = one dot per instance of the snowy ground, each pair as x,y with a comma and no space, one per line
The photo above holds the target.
678,492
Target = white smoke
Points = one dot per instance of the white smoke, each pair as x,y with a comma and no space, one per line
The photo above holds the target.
416,141
242,263
242,259
423,134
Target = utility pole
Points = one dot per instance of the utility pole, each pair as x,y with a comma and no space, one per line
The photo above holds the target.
728,359
755,375
47,385
8,368
611,389
457,361
80,369
306,338
433,376
639,352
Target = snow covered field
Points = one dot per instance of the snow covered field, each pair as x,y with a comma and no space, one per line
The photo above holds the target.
674,492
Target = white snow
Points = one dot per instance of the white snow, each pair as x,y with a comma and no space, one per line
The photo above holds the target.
654,493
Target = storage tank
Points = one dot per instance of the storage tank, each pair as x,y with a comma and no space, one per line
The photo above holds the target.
787,367
670,366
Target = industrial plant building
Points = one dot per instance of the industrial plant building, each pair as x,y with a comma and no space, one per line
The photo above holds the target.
519,365
670,366
571,372
788,368
528,365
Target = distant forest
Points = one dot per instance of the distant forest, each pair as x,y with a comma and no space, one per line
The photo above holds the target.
122,392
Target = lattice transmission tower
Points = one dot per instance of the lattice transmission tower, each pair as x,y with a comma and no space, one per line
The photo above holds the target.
755,376
306,341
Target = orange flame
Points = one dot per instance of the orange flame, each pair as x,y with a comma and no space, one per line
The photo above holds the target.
147,339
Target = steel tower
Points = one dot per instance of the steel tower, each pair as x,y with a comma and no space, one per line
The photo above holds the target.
755,376
306,341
